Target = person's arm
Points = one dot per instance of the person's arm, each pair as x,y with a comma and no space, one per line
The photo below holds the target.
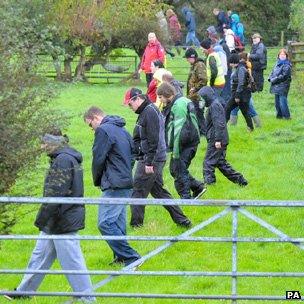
142,62
241,82
284,75
219,122
152,128
180,116
258,55
101,148
161,53
213,69
201,75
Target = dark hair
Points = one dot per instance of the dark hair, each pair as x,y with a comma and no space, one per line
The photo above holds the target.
243,56
234,58
56,131
158,63
91,112
166,90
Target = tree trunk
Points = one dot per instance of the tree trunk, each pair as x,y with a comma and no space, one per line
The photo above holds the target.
80,69
68,69
57,66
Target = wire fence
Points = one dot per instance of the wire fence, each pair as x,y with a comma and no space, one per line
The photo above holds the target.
230,207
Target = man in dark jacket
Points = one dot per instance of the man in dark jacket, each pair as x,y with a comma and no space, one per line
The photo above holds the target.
64,179
217,139
258,58
112,172
150,151
183,138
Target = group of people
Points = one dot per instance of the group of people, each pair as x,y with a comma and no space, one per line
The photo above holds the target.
167,121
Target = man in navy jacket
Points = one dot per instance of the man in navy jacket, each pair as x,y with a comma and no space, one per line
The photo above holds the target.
112,172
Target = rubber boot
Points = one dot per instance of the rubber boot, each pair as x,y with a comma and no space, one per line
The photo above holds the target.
233,120
257,121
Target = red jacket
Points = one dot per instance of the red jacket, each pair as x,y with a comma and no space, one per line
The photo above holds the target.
152,52
175,29
151,92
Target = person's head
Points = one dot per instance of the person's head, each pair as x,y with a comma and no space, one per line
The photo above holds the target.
212,33
170,13
283,54
134,98
191,55
151,37
93,117
229,13
234,60
166,93
235,18
256,38
167,77
206,45
243,56
155,65
51,143
216,11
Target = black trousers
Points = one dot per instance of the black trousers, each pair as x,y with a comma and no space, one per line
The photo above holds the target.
149,77
258,76
183,180
244,107
152,183
216,158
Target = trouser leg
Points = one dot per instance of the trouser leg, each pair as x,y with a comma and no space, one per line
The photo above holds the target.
244,107
284,106
277,106
42,258
227,169
112,221
158,191
230,106
70,257
210,163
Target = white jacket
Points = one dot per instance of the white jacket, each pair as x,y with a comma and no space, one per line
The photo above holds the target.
229,37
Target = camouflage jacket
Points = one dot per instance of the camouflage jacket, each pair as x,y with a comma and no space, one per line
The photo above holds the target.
196,80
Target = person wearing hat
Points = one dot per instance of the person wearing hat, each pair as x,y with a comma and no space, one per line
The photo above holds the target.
64,179
258,58
215,72
197,78
150,151
112,172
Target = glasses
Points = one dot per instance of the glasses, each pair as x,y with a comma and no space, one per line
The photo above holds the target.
131,101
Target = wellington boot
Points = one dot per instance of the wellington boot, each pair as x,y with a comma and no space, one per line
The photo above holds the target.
257,121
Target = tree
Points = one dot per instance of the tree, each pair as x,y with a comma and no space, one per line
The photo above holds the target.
296,17
25,108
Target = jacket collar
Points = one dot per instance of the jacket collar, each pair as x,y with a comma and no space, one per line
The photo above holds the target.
142,106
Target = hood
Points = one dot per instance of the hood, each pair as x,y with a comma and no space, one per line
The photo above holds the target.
114,120
235,18
154,43
211,30
177,83
158,75
208,95
218,48
229,32
185,10
68,150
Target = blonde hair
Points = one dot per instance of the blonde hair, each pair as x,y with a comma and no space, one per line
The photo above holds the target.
170,13
283,51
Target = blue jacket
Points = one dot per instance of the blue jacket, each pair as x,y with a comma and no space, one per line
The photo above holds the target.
237,27
190,20
280,78
112,155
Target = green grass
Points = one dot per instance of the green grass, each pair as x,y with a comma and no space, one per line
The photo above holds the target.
271,158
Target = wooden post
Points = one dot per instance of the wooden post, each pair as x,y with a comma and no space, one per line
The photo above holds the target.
282,38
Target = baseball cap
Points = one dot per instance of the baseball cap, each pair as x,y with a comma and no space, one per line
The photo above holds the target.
191,53
131,93
206,44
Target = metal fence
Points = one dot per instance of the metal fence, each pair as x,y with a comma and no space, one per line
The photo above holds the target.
230,207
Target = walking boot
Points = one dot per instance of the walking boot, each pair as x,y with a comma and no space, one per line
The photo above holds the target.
233,120
257,121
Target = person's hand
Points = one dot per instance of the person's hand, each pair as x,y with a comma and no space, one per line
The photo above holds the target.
149,169
139,71
237,100
218,145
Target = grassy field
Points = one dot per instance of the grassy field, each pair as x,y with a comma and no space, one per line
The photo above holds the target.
271,158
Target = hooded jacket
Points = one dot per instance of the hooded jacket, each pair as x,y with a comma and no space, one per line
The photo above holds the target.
112,155
153,51
280,78
237,27
64,179
190,20
216,128
258,56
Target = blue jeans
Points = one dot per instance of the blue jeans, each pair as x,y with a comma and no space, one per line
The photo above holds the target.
226,93
252,111
191,39
69,254
112,221
281,104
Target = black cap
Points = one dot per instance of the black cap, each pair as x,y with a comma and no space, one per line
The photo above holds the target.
206,43
191,53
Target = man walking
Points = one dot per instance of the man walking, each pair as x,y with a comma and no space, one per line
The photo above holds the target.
64,179
183,138
150,148
217,140
112,172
